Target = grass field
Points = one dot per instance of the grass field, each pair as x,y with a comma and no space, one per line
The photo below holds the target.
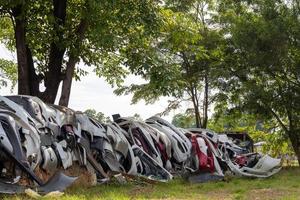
284,185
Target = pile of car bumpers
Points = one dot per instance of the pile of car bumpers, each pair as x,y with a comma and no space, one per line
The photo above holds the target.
39,141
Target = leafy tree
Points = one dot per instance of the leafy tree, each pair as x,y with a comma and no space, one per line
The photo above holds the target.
180,62
263,73
51,37
99,116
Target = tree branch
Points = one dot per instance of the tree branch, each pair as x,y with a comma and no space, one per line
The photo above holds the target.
277,118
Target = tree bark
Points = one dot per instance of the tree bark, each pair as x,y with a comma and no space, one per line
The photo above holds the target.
53,76
196,108
34,79
205,102
28,81
20,38
197,116
73,59
67,82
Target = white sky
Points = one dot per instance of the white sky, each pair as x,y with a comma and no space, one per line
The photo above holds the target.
94,92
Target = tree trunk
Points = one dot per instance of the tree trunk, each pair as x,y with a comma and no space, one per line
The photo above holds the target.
294,137
196,108
53,76
67,82
34,79
23,70
73,59
205,102
198,118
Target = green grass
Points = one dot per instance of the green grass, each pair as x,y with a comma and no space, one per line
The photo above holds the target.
284,185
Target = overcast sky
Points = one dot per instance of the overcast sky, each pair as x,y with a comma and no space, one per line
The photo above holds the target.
94,92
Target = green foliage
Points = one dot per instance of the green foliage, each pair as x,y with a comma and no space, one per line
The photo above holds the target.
182,61
234,121
99,116
185,120
8,72
162,69
7,32
262,74
259,129
278,144
111,26
263,60
161,60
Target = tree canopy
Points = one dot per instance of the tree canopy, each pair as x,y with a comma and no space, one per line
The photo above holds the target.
181,61
51,37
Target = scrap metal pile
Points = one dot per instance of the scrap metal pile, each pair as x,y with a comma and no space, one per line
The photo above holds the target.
39,141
